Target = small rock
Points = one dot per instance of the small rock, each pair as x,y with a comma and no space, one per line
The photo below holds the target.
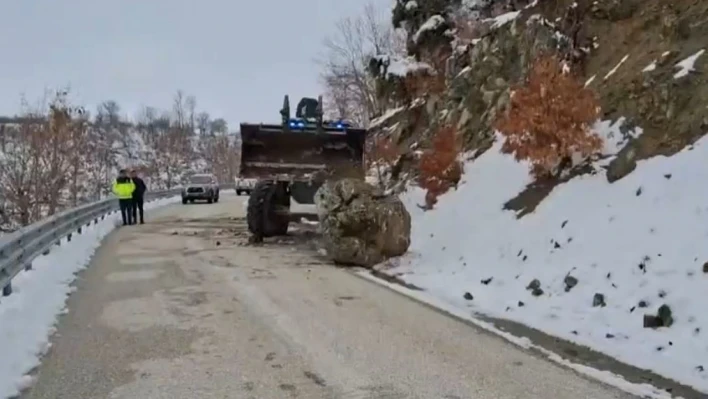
662,293
598,300
609,336
639,191
574,332
487,281
631,310
570,282
524,258
665,315
537,292
218,243
174,233
563,224
534,284
556,245
667,176
700,368
468,296
705,267
663,318
643,304
521,304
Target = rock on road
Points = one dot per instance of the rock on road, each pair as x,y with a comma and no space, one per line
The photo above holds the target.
182,308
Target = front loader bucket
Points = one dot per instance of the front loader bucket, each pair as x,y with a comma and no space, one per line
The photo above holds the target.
274,152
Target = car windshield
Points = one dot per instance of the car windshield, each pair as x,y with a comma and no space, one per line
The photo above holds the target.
200,179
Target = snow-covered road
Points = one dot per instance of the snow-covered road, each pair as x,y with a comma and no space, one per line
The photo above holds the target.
180,308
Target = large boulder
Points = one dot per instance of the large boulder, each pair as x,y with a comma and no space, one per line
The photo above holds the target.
360,224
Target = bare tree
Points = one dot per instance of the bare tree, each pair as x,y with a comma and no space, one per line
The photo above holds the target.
349,88
203,123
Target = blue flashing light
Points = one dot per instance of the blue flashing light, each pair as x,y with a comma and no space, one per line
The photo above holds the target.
301,124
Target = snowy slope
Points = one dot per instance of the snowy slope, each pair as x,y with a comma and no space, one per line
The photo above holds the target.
28,316
642,238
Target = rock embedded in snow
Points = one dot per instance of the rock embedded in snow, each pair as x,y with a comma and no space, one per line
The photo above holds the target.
360,224
705,267
535,287
468,296
598,300
534,284
570,282
663,318
665,315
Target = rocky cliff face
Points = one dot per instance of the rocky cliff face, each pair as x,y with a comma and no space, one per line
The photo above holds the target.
644,59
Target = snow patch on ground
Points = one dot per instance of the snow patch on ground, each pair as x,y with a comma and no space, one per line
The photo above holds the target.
504,19
432,23
376,122
401,66
688,65
614,70
28,316
641,390
640,239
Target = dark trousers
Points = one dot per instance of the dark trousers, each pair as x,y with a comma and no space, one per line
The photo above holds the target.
126,210
138,208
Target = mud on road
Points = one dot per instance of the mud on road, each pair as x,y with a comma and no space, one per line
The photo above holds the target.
183,307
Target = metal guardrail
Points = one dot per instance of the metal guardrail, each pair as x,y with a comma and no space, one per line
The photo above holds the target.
19,248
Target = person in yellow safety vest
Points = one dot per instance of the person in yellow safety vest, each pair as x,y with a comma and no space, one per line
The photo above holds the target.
123,188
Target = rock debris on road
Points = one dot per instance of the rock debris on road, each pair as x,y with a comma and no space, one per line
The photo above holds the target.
165,312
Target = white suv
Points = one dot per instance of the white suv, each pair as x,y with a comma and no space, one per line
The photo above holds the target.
201,187
245,185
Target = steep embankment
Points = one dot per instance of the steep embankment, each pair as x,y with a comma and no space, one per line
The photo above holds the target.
610,254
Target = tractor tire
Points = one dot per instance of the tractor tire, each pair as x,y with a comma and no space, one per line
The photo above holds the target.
264,203
238,192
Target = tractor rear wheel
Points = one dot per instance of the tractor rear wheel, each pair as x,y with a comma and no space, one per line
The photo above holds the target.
268,212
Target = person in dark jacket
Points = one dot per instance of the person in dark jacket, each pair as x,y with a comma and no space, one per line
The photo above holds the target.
123,188
138,196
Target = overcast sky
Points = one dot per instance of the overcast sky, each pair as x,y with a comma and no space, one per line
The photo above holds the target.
238,57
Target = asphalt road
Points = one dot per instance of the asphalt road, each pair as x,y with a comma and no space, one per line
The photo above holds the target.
182,307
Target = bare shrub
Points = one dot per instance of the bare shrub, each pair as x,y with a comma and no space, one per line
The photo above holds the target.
548,120
440,167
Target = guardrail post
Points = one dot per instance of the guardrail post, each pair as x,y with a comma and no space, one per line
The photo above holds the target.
7,290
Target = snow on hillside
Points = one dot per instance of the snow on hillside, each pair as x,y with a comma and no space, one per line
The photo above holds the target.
630,247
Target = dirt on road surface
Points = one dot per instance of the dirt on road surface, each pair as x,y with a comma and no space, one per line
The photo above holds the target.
183,308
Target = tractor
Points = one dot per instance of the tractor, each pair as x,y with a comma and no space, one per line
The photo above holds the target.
292,159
